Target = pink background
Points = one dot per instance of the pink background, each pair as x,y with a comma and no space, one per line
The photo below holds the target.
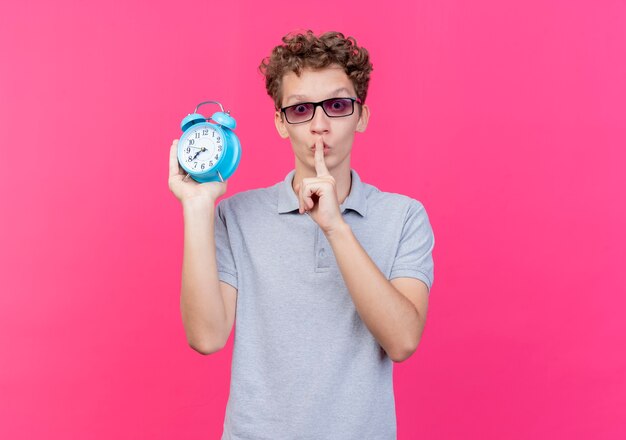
506,119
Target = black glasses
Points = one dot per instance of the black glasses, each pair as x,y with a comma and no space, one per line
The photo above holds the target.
333,107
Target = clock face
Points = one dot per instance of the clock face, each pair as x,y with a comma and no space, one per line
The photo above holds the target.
201,148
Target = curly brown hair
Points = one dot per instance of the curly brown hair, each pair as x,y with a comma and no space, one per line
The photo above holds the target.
305,50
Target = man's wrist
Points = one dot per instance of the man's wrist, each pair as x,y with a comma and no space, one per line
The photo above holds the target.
194,204
341,230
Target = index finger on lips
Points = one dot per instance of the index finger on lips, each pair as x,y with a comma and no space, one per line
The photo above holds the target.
320,164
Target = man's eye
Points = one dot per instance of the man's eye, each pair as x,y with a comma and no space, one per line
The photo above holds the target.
338,105
300,109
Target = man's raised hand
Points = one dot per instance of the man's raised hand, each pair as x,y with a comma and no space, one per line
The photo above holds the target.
317,196
187,189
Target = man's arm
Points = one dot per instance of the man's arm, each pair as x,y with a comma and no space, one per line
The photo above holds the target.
207,305
394,311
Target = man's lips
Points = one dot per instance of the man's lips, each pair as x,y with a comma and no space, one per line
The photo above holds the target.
326,148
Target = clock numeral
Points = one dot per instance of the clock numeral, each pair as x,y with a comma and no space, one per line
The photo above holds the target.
213,134
205,132
188,150
197,135
219,148
191,141
211,163
218,139
202,166
217,156
190,158
195,165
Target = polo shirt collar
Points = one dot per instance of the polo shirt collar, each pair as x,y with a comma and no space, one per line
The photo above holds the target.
356,200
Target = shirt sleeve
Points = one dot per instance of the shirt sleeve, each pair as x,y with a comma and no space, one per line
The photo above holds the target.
226,268
414,256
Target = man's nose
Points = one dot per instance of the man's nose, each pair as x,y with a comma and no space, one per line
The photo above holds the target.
320,122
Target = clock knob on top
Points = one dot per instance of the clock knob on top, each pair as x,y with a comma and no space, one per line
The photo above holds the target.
224,119
191,119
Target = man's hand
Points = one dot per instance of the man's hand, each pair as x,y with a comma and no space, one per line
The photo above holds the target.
186,188
318,195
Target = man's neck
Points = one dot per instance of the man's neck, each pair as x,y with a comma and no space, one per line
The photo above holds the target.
343,180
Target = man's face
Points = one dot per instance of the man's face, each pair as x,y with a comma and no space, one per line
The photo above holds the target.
337,133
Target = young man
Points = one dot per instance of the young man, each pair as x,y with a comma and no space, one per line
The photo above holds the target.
327,277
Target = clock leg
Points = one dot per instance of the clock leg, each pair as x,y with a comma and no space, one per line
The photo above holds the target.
185,178
220,176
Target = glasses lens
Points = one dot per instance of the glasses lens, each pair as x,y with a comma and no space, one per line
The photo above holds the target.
299,113
338,107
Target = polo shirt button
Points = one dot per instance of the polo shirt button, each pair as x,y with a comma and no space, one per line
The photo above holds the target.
322,253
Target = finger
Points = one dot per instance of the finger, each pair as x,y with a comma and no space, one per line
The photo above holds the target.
320,164
174,167
301,202
307,200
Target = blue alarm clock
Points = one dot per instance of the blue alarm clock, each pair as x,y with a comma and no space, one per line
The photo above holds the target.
209,151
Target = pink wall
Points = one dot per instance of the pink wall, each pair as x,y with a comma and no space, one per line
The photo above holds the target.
506,120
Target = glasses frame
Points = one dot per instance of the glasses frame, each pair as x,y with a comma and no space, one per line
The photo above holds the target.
320,104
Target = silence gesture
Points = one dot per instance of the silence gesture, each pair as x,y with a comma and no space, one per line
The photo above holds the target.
318,195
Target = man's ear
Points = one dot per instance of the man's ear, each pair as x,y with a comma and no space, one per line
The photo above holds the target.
364,118
280,123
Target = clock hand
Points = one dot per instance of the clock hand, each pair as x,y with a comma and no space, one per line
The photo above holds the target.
203,149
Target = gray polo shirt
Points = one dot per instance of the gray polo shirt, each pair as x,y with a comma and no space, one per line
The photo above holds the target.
304,364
